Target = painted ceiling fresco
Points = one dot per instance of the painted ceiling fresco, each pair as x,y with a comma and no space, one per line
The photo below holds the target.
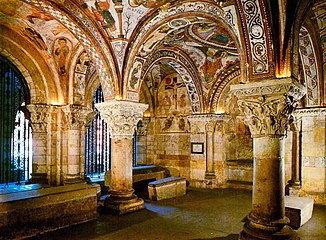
199,41
207,44
37,26
107,12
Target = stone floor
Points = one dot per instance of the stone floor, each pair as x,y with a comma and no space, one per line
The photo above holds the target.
199,215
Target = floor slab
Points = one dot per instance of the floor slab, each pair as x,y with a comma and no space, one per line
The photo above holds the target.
201,214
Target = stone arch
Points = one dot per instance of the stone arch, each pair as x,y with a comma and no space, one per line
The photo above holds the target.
32,66
215,94
187,72
226,17
89,36
92,84
311,72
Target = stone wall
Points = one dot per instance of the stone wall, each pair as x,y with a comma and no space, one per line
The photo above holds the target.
232,152
313,156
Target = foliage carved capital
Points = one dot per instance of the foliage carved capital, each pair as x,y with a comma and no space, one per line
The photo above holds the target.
78,116
267,115
40,116
121,116
268,106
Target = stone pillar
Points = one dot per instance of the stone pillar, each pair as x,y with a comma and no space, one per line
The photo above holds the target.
209,128
40,122
77,118
122,118
294,185
142,141
267,106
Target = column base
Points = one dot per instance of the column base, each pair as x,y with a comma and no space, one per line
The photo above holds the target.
293,188
73,179
210,176
256,228
249,232
120,204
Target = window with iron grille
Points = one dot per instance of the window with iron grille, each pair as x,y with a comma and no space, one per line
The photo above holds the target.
15,129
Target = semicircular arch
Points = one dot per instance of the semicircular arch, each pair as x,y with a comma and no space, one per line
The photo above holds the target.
152,26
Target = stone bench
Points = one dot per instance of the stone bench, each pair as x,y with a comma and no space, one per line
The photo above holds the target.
298,210
27,213
148,172
141,173
164,188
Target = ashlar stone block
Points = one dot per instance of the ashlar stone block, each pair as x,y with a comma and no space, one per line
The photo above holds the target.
167,188
298,210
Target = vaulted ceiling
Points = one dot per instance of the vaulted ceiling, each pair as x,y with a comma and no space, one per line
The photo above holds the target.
123,43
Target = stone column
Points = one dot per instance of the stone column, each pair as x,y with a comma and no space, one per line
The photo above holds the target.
267,106
77,118
209,128
294,185
40,122
122,118
142,141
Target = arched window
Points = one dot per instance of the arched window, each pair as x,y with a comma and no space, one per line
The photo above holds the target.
98,143
15,129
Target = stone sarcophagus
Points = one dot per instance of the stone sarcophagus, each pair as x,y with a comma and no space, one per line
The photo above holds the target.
164,188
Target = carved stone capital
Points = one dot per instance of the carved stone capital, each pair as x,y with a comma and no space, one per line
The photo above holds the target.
296,124
78,116
121,116
267,106
40,116
142,126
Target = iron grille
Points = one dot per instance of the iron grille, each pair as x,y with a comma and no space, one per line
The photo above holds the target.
15,129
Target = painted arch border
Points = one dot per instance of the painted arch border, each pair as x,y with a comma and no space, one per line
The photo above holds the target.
183,67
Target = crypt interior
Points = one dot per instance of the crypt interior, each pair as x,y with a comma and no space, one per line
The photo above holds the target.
101,98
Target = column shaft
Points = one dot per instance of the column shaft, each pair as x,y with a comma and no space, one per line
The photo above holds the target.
121,172
209,155
268,179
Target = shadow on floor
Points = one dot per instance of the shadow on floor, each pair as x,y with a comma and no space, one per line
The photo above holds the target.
228,237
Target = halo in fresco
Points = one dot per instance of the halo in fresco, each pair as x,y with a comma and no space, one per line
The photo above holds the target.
147,3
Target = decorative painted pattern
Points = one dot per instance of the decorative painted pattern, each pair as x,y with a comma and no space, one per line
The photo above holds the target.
119,49
256,36
287,86
308,56
165,13
220,84
106,80
309,112
191,88
178,61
